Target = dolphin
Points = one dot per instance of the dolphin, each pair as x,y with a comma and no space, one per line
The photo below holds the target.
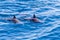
34,19
15,20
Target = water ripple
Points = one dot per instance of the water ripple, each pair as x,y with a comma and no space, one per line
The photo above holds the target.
47,11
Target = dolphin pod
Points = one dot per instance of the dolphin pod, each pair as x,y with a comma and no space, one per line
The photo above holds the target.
15,20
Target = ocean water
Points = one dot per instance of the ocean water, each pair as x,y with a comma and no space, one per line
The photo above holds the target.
47,11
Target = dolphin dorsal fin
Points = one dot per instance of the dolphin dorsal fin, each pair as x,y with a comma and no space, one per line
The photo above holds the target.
14,16
34,16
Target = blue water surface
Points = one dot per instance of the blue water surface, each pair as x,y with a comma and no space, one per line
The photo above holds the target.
48,11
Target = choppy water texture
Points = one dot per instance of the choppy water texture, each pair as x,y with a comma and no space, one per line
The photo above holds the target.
46,10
